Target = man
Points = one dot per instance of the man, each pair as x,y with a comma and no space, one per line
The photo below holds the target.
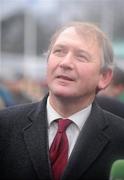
79,65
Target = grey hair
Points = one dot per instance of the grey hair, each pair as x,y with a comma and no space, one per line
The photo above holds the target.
89,29
107,55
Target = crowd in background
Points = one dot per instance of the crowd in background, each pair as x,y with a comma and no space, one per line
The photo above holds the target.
20,90
23,89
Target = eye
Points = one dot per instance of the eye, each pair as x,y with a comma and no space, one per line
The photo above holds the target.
82,57
59,51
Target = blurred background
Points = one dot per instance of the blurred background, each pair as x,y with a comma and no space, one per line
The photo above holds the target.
25,30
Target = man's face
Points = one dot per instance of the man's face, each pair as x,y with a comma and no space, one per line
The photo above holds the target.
74,66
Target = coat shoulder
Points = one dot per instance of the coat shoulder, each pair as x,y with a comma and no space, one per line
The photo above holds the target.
14,112
13,118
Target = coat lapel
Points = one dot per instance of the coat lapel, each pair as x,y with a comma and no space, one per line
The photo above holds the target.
35,136
90,144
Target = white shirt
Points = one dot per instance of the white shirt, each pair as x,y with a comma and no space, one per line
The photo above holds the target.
74,128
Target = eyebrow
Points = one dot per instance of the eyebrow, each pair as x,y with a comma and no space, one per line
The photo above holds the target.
59,46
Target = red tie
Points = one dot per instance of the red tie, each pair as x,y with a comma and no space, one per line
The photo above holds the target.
59,149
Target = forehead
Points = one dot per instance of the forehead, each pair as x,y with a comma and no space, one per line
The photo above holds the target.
77,37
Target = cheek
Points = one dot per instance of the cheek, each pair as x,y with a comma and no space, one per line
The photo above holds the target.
89,73
85,70
51,69
52,64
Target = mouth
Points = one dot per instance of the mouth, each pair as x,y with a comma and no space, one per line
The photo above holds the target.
67,78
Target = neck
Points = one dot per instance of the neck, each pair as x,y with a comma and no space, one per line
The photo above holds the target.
68,106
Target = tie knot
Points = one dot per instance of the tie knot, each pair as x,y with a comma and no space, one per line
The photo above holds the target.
63,124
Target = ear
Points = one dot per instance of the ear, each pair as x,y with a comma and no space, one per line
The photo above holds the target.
105,79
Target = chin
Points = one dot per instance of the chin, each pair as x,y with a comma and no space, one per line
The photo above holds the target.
64,95
61,93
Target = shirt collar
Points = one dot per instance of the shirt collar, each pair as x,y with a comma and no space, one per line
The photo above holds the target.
78,118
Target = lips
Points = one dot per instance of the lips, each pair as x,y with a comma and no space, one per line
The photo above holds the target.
64,77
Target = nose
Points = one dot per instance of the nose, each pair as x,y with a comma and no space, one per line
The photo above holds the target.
67,61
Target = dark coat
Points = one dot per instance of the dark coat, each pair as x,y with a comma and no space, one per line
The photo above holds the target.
24,152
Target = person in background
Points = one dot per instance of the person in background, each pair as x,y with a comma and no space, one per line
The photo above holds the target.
2,103
5,95
111,104
109,98
116,87
66,135
17,88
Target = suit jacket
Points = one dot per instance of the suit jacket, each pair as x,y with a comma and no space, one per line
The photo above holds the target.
24,152
111,104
